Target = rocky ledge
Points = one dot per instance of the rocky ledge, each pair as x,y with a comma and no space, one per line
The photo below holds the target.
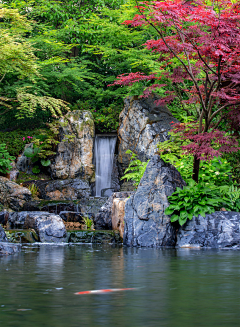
217,230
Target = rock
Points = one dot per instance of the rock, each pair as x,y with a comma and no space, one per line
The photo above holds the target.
49,227
75,159
107,192
6,247
103,220
99,237
118,213
3,237
9,248
216,230
4,217
145,223
71,216
143,125
68,189
115,175
91,205
23,236
13,175
24,163
13,195
16,220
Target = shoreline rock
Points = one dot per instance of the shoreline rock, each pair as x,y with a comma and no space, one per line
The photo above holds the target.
145,223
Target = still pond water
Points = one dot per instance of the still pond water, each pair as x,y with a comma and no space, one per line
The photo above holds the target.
175,288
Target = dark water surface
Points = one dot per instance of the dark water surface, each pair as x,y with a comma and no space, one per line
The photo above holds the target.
186,288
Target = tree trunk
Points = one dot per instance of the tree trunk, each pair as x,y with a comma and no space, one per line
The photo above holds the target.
196,165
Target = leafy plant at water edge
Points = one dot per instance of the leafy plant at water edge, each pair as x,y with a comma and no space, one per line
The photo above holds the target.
5,159
135,169
193,200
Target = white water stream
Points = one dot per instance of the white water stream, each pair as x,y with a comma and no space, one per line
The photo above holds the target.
104,155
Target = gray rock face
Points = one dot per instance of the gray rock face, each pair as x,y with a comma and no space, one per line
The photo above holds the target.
103,220
8,248
49,227
142,126
13,195
115,175
217,230
145,223
67,189
16,220
3,237
75,159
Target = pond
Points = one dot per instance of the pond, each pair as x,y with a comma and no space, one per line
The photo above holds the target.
174,287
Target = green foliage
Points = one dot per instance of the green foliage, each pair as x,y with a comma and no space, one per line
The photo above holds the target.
218,171
14,140
135,170
80,47
106,119
88,222
5,159
33,189
231,196
193,200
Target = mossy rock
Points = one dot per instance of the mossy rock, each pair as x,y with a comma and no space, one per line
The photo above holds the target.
23,236
95,236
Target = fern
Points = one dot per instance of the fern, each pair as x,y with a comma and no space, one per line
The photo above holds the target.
135,169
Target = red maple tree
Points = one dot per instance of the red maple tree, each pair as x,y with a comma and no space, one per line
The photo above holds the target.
200,42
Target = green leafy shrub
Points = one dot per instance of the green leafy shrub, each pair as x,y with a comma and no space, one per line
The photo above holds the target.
5,159
16,140
88,222
135,169
193,200
231,197
106,118
218,171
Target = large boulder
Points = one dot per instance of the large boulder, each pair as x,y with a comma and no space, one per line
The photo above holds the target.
67,189
13,195
145,223
103,220
216,230
49,227
143,124
75,159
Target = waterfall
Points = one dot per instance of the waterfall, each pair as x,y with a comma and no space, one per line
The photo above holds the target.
104,155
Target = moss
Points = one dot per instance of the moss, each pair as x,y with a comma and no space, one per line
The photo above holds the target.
94,236
24,177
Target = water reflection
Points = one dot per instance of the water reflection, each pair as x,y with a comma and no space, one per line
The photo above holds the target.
175,287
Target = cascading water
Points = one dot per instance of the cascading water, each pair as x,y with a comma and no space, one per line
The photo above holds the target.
104,155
